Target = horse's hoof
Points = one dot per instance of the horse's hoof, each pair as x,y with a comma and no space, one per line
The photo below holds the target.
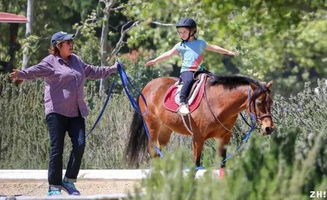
221,173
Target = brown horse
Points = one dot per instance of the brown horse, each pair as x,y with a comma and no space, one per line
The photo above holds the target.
225,97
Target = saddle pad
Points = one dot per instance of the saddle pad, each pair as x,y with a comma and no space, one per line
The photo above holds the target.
170,103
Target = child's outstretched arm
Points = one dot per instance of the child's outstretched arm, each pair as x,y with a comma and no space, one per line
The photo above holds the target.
162,57
219,49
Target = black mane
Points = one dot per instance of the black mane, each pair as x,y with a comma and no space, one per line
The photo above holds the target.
233,80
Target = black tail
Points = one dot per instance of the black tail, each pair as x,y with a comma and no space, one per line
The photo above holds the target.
137,143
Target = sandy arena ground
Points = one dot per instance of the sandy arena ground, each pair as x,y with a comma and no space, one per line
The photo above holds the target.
85,186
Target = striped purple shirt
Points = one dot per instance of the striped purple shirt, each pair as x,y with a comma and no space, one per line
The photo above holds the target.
64,83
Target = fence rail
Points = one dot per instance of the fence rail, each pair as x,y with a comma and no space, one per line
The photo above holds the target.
113,174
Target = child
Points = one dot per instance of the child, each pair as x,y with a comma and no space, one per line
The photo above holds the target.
192,50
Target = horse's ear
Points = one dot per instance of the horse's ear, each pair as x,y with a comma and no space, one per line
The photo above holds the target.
269,84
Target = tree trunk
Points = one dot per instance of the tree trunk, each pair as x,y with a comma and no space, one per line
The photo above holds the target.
104,34
28,31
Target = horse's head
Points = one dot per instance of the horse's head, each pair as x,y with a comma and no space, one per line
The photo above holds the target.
260,106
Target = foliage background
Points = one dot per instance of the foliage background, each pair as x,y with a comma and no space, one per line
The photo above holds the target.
282,40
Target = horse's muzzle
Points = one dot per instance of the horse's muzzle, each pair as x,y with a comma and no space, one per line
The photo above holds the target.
269,130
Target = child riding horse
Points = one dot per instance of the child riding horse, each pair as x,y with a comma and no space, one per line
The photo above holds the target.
191,49
225,98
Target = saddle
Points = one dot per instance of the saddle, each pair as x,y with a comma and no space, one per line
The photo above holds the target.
172,101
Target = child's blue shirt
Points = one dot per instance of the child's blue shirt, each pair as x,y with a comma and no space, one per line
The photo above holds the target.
192,54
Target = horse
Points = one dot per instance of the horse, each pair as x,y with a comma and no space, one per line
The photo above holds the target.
225,97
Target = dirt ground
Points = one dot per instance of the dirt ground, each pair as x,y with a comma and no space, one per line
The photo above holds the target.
85,186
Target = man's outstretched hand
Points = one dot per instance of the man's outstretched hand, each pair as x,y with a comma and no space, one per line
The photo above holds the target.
14,77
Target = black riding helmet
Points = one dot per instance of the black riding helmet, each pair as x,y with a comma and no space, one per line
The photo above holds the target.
187,23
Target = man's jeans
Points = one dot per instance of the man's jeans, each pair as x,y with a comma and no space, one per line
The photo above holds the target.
57,126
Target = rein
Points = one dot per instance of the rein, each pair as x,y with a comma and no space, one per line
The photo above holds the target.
254,117
252,102
253,126
214,116
248,134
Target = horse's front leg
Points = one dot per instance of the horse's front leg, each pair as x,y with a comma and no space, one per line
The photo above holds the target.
222,152
197,150
222,142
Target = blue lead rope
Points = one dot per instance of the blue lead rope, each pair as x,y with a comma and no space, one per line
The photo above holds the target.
246,138
103,108
126,83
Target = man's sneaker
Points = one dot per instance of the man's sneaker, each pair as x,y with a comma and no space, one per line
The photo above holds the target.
183,109
70,188
54,191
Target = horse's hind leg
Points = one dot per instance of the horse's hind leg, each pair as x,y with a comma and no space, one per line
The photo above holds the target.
197,150
153,128
160,136
164,135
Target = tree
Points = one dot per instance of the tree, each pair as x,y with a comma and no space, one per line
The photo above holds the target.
280,40
28,31
108,4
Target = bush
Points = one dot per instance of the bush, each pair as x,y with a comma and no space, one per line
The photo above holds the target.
262,171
